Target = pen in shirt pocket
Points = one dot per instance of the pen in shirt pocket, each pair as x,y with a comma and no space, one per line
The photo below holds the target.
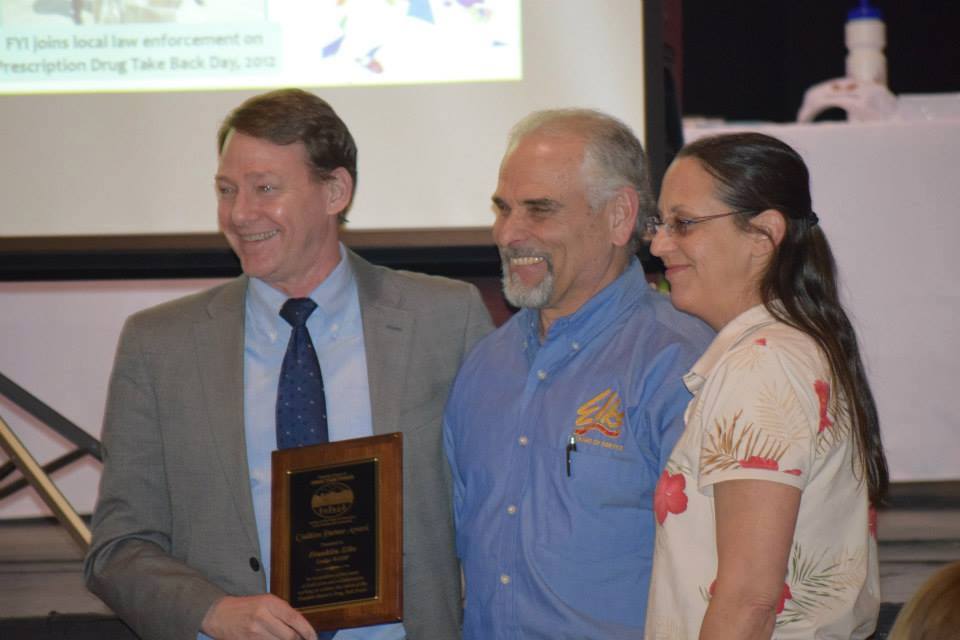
570,448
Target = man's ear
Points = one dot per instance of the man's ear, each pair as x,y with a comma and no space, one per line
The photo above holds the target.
773,224
339,189
622,211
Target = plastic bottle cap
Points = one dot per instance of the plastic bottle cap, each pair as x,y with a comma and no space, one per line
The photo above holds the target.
864,12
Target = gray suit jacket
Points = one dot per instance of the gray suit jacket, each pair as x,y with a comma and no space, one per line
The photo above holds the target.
174,527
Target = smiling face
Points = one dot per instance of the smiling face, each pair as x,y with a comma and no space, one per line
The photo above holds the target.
556,252
715,269
278,218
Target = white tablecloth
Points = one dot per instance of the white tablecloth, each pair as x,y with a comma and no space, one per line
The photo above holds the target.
888,197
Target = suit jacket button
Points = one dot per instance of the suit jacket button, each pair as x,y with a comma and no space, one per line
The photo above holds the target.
254,564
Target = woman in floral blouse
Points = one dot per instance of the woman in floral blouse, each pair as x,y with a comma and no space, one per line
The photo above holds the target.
765,519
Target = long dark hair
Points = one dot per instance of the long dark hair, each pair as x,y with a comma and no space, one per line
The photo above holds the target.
754,173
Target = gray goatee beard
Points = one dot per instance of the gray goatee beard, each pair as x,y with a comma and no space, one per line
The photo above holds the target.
520,295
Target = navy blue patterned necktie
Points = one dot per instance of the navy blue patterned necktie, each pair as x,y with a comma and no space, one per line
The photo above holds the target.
301,404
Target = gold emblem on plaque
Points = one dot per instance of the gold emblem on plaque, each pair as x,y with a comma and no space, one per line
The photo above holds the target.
332,500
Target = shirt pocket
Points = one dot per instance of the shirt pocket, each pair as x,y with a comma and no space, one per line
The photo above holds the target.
602,509
604,477
599,533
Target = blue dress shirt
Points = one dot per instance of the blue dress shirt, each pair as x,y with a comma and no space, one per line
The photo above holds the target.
336,329
556,541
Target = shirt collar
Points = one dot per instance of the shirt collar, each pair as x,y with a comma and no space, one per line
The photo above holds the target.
331,296
592,317
730,334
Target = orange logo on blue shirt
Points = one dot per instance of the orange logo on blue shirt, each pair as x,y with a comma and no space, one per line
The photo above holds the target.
601,413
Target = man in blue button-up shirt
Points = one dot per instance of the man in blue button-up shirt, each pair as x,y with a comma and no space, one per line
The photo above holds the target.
559,423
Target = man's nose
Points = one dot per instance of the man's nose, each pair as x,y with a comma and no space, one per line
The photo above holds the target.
508,229
242,208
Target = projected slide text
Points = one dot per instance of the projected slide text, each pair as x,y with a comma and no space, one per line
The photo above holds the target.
144,45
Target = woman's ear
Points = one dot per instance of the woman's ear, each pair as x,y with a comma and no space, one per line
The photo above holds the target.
772,225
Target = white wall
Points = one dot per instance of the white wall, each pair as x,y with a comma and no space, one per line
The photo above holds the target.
58,343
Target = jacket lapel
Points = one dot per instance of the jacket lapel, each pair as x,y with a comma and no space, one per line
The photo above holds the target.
387,333
218,341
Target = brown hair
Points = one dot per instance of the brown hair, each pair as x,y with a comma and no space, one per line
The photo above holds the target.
288,116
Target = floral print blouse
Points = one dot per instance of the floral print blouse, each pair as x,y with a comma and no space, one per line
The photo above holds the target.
762,409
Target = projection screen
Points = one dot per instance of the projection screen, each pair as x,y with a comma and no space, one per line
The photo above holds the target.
110,114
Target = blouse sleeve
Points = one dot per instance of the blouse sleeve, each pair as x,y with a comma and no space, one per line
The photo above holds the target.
760,414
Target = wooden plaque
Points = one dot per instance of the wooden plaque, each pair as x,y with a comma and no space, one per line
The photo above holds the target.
337,531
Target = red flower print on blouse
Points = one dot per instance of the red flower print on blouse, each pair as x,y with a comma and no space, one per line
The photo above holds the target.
823,393
872,521
669,496
756,462
785,595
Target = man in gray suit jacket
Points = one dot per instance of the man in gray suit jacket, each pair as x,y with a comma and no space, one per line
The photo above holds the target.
181,528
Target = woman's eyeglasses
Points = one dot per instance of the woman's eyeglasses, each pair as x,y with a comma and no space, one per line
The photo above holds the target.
680,227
